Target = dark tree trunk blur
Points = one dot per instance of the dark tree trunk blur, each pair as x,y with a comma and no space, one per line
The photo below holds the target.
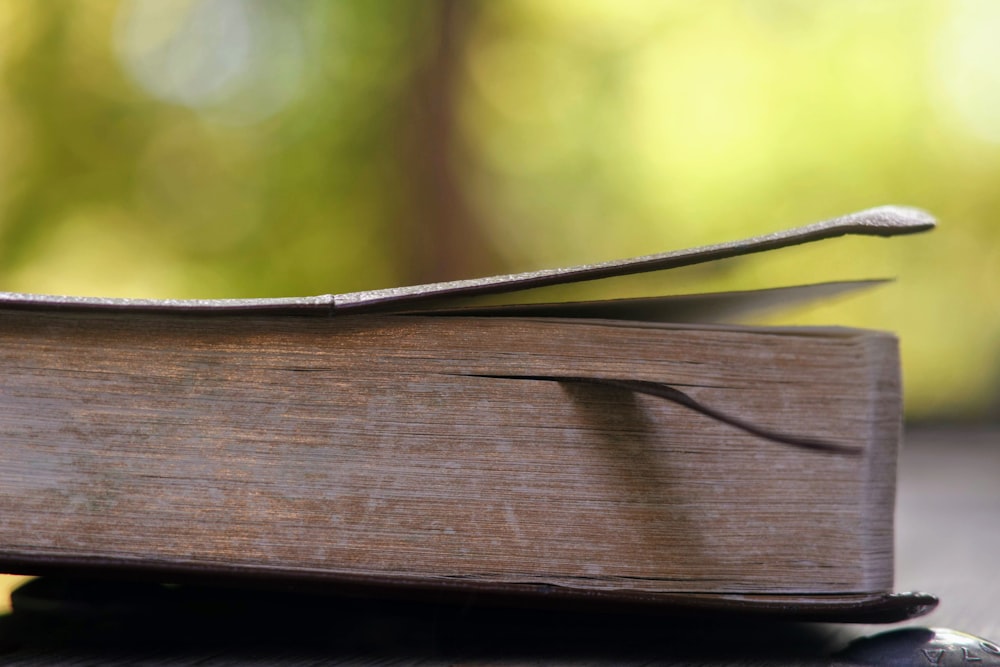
442,238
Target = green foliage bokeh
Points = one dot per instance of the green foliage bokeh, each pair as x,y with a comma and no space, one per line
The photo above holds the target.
232,148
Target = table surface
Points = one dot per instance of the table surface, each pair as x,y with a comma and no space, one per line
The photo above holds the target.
948,543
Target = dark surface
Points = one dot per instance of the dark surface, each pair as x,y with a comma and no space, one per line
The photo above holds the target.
948,543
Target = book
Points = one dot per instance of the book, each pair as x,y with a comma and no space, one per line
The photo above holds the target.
407,441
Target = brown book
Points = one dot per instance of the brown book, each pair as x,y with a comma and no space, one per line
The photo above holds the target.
631,452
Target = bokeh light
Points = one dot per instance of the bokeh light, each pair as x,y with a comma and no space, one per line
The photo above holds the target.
236,61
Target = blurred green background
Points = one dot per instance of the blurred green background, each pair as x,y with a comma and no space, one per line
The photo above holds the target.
232,148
